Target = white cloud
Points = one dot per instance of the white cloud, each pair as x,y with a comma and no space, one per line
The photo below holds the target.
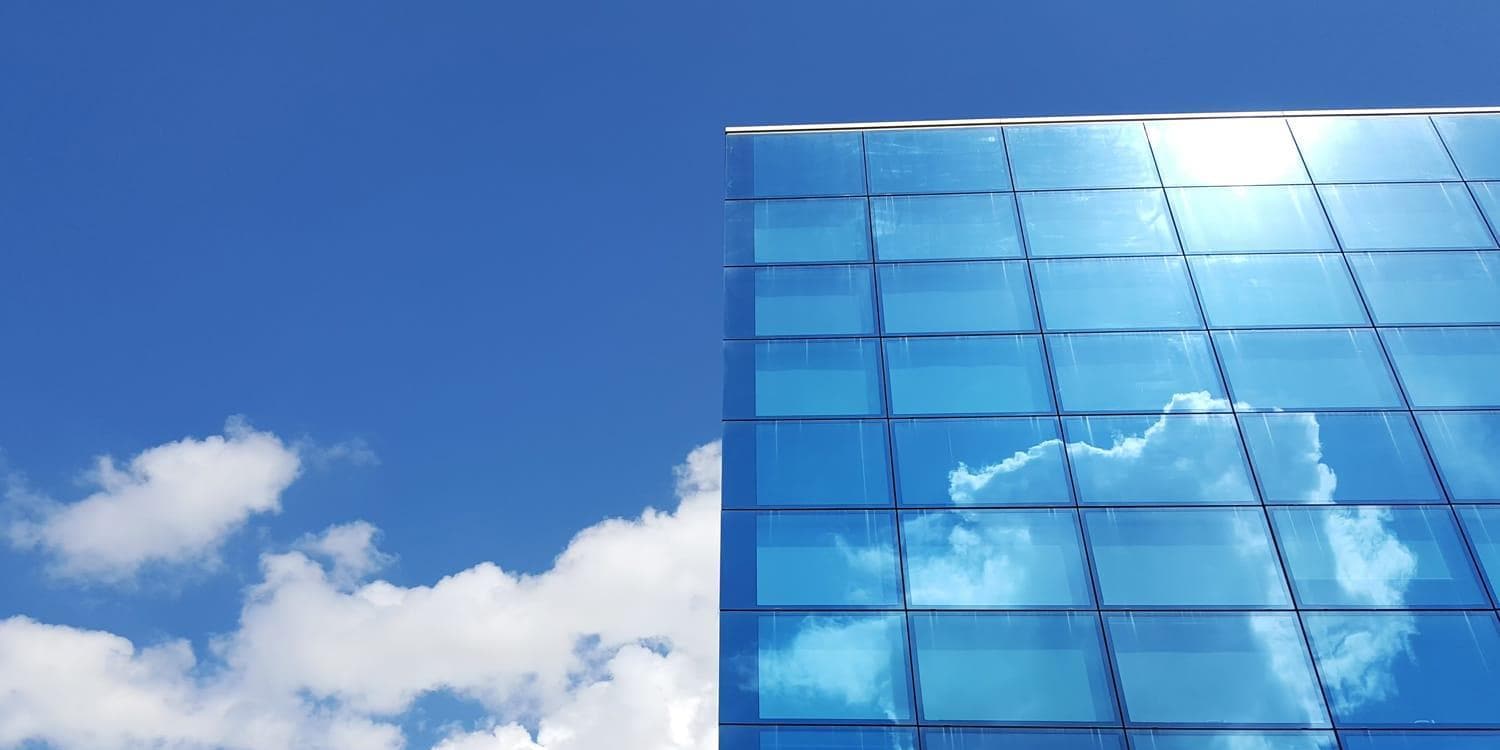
350,548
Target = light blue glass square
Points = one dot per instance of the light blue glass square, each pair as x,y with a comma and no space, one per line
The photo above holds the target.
1474,142
940,227
809,559
1263,219
795,164
1488,195
1372,149
1096,155
1115,293
970,738
978,559
1140,372
1187,558
799,301
937,160
817,738
967,375
802,378
1231,740
1098,222
1016,461
1339,457
1192,458
1277,290
1464,445
1230,151
813,464
1313,369
1430,216
1419,740
818,230
1482,527
1447,367
956,298
1425,288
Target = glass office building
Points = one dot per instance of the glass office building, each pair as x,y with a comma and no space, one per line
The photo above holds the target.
1164,433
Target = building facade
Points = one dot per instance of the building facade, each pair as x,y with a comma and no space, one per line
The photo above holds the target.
1165,433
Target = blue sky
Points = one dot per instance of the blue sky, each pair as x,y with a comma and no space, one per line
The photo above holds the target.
480,241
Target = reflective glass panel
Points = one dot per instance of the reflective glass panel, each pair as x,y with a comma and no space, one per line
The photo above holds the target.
801,378
1276,290
1372,149
816,738
1339,457
1105,293
1306,369
1375,556
980,462
1420,740
994,558
1232,740
1443,367
1136,372
1391,669
953,738
937,160
1418,288
1185,557
1437,216
800,231
937,227
1096,155
794,666
803,558
1023,668
1474,142
967,375
1465,445
1264,219
956,297
787,164
1226,152
1097,222
798,301
1488,195
1165,459
805,463
1482,525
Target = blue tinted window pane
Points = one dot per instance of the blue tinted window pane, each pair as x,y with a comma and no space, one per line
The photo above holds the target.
802,558
1166,459
980,462
1104,293
1465,445
1136,372
1409,668
1405,217
801,231
1100,155
1214,669
1250,219
801,378
968,375
1443,367
813,667
1276,290
786,164
937,227
1306,369
805,463
1372,149
1232,740
796,301
956,297
1339,458
1226,152
1098,222
1482,525
816,738
1418,288
1191,557
1420,740
1016,668
937,160
994,558
1488,195
951,738
1374,556
1474,141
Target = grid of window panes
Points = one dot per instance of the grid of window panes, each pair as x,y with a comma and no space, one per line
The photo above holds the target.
1163,435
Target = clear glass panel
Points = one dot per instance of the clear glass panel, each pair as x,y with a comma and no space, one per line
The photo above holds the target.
1097,155
956,297
1098,222
1420,288
1375,556
1443,367
1186,558
1232,740
838,377
1391,669
1332,369
968,375
1420,740
835,666
1226,152
798,301
1488,195
1474,142
805,463
801,231
1146,372
1405,217
1332,457
788,164
980,462
1167,459
937,160
1465,445
938,227
994,558
1214,669
1482,525
953,738
1115,293
1266,219
1276,290
817,738
804,558
1372,149
1021,668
